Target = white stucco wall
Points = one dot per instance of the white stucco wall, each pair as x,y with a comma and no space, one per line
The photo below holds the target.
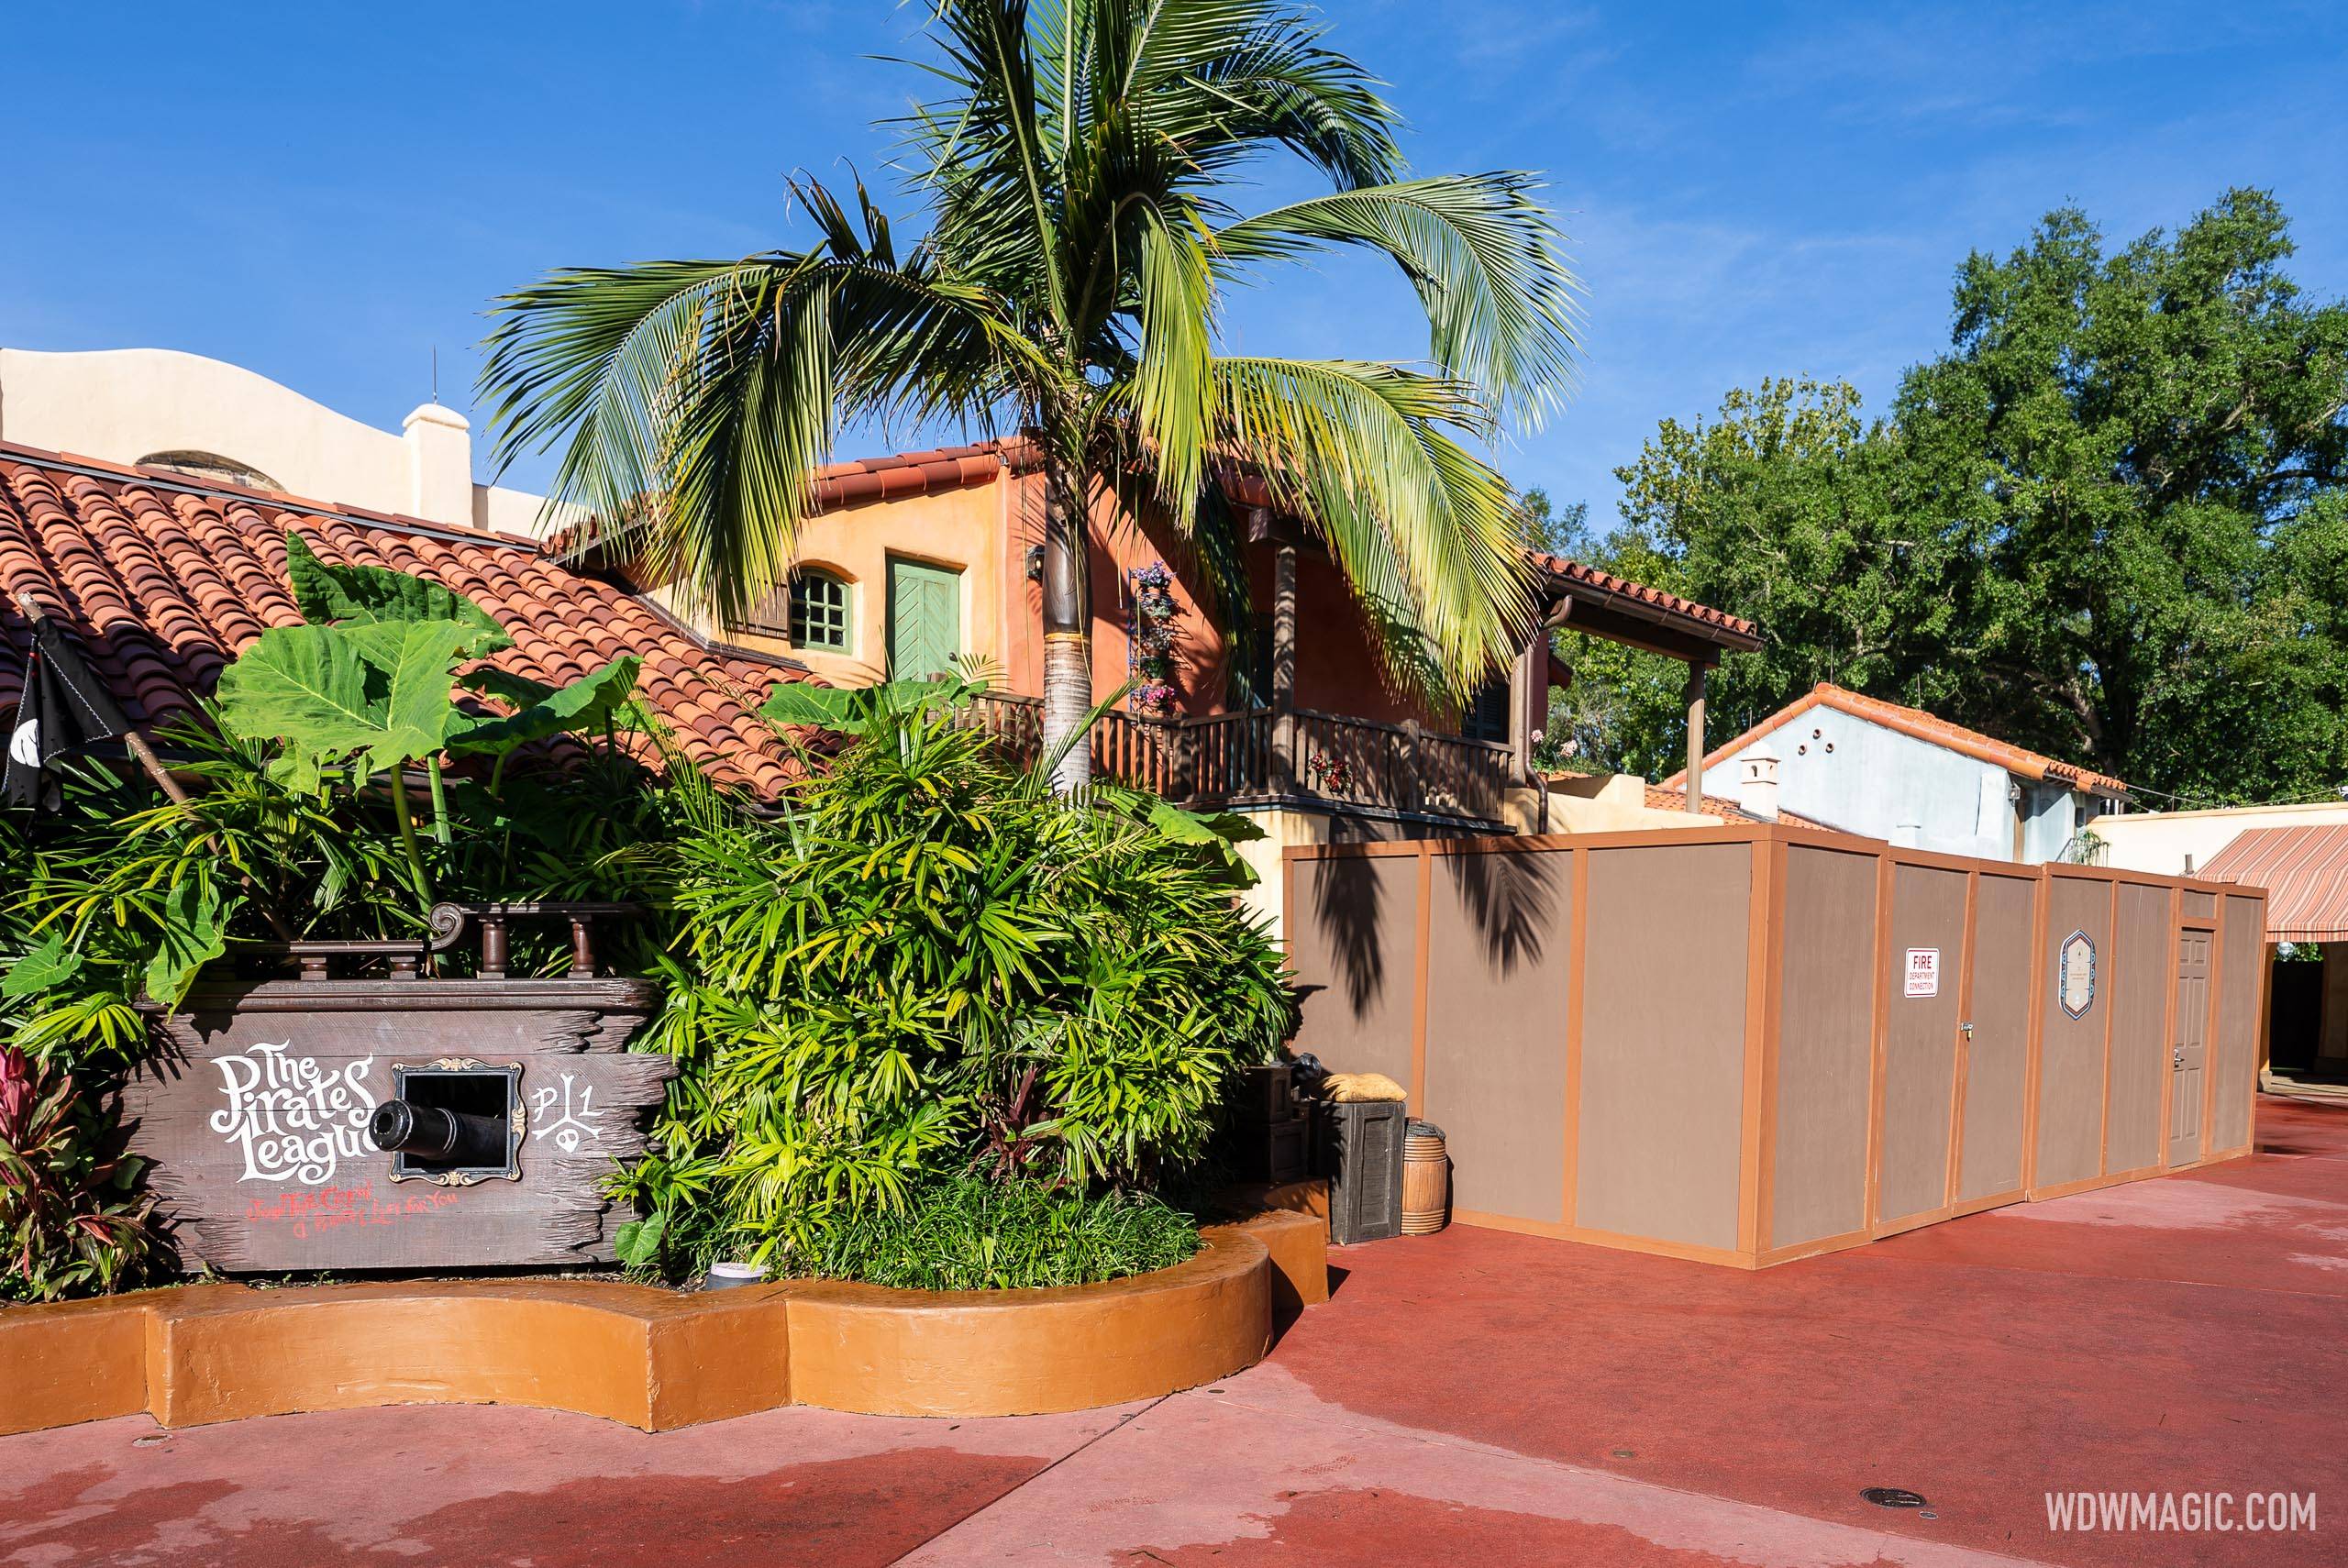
121,405
2160,841
1853,774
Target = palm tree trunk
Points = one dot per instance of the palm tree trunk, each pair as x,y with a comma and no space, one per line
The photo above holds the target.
1067,626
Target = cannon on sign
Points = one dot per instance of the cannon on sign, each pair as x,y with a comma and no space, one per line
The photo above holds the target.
402,1121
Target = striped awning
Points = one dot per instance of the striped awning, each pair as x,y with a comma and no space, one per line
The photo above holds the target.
2305,872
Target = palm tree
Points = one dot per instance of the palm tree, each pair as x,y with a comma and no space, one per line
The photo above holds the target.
1074,173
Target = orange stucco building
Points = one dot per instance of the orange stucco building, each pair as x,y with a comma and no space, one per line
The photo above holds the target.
976,513
914,561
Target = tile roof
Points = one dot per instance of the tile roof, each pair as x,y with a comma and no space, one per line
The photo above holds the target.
1915,722
166,579
917,473
1670,605
1660,799
892,478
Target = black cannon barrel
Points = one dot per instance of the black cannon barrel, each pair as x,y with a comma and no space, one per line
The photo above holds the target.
442,1136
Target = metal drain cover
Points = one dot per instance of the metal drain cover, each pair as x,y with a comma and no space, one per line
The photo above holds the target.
1893,1498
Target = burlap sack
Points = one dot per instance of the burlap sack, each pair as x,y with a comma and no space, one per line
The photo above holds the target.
1354,1086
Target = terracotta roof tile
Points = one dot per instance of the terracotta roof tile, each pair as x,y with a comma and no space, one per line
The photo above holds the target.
1922,725
167,579
1660,799
890,478
1655,598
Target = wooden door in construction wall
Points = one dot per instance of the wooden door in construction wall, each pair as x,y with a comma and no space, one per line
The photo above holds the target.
2190,1053
1952,1069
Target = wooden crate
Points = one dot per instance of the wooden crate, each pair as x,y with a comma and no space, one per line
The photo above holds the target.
1357,1148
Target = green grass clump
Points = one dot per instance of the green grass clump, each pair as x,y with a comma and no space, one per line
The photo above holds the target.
970,1233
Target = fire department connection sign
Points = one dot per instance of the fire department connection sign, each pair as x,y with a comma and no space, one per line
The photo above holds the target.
1924,971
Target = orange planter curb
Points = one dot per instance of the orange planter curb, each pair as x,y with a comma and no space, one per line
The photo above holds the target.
1019,1353
652,1358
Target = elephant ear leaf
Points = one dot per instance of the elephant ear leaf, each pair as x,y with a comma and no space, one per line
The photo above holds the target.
586,703
863,710
45,968
519,689
796,703
637,1242
365,595
195,931
327,691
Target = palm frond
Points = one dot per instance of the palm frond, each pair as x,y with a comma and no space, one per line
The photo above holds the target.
1487,259
1221,77
1175,403
1425,530
698,398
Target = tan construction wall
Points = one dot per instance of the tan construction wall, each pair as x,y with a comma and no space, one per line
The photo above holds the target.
1706,1042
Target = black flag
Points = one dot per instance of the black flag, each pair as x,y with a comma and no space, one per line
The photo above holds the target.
64,707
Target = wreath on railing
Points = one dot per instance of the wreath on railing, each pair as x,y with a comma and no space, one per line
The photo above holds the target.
1331,774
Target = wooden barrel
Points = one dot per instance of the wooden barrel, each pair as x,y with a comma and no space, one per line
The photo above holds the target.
1426,1179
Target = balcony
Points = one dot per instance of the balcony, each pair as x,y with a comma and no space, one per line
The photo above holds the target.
1400,772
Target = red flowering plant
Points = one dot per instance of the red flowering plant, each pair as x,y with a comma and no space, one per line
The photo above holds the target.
70,1222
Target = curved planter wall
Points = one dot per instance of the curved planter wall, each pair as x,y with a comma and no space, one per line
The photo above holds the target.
652,1358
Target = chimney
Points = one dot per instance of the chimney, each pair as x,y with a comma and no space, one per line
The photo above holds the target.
1757,783
440,465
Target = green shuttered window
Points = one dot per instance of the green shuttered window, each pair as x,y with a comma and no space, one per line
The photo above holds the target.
819,611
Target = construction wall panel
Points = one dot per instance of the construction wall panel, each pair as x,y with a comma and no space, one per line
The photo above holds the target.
1996,1058
1920,1042
1497,975
1825,1044
2242,957
1663,1042
2070,1059
2141,975
1621,1114
1353,934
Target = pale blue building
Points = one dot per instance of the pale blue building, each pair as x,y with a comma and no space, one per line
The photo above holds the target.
1864,765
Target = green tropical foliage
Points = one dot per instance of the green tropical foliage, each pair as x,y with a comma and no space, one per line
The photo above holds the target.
125,899
362,595
972,1233
926,967
2111,523
1075,171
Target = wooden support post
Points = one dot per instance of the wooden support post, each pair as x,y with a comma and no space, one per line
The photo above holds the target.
492,947
1528,704
1696,673
1284,759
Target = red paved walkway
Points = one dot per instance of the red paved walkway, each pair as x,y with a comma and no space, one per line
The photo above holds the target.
1471,1398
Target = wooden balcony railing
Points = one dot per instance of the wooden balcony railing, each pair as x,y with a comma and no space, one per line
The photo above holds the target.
1225,758
1401,767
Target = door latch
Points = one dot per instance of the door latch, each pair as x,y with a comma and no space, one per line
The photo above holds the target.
1968,1030
2176,1055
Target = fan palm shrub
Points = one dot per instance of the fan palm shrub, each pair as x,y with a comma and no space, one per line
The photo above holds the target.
925,970
1077,170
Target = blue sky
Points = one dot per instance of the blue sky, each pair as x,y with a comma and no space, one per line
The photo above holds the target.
327,192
